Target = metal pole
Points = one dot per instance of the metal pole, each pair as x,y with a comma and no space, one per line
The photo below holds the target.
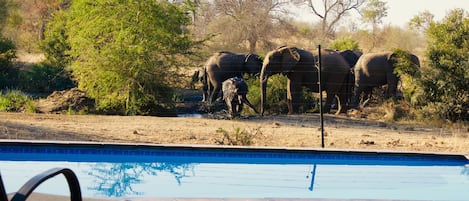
321,115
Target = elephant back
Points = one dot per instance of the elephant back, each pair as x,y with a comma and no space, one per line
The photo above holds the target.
350,56
373,63
234,86
332,62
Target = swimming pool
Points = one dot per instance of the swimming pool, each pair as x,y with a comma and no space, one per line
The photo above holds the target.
168,171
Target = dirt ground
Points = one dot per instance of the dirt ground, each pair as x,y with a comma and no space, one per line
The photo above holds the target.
341,132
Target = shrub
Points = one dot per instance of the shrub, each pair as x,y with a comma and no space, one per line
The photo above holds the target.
8,72
16,101
44,77
446,82
410,77
276,91
238,137
344,44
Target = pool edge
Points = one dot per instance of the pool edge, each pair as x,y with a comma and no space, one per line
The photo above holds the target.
459,156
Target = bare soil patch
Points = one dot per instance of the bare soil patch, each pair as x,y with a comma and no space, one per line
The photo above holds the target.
341,132
353,131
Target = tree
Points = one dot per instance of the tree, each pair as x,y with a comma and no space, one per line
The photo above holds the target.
421,21
331,12
125,57
374,12
55,45
24,21
446,83
247,21
344,44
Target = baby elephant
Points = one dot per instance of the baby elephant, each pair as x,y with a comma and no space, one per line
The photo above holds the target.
235,90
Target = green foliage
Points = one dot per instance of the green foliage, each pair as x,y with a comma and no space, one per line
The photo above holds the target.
16,101
3,13
446,82
276,93
374,11
8,72
238,137
44,77
344,44
55,44
409,74
421,21
125,57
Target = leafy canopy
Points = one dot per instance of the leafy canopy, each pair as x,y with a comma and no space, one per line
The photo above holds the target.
124,52
447,82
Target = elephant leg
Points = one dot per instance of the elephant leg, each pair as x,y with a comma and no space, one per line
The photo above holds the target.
392,87
205,93
356,99
206,90
215,93
329,99
293,97
229,104
246,101
240,105
342,103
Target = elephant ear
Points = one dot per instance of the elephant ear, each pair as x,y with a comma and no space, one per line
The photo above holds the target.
246,58
290,58
392,58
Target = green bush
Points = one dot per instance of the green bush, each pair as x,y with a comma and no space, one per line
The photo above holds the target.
239,137
45,78
410,77
55,45
344,44
8,72
276,91
16,101
446,81
276,94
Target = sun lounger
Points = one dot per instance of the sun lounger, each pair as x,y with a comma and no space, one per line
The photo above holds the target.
26,190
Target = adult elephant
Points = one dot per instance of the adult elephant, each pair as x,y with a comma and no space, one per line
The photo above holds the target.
377,69
200,76
299,67
351,56
224,65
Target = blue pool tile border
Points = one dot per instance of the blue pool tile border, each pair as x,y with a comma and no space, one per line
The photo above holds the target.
82,151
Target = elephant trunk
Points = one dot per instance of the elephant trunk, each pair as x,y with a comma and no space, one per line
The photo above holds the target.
263,81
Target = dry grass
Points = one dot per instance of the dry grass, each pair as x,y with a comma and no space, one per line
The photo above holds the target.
341,132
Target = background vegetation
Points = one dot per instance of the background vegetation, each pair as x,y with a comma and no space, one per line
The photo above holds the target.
131,56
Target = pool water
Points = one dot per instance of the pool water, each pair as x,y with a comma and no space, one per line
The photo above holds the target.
124,170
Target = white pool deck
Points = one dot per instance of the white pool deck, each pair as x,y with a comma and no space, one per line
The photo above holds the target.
45,197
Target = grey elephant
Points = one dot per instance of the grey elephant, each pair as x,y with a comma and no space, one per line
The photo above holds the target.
351,56
200,76
235,92
299,67
224,65
377,69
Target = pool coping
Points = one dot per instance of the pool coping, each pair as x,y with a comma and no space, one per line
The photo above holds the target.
459,156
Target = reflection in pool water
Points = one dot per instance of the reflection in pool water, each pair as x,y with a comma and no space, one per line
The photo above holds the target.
156,171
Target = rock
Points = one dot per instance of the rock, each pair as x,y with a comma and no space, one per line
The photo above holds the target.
65,101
